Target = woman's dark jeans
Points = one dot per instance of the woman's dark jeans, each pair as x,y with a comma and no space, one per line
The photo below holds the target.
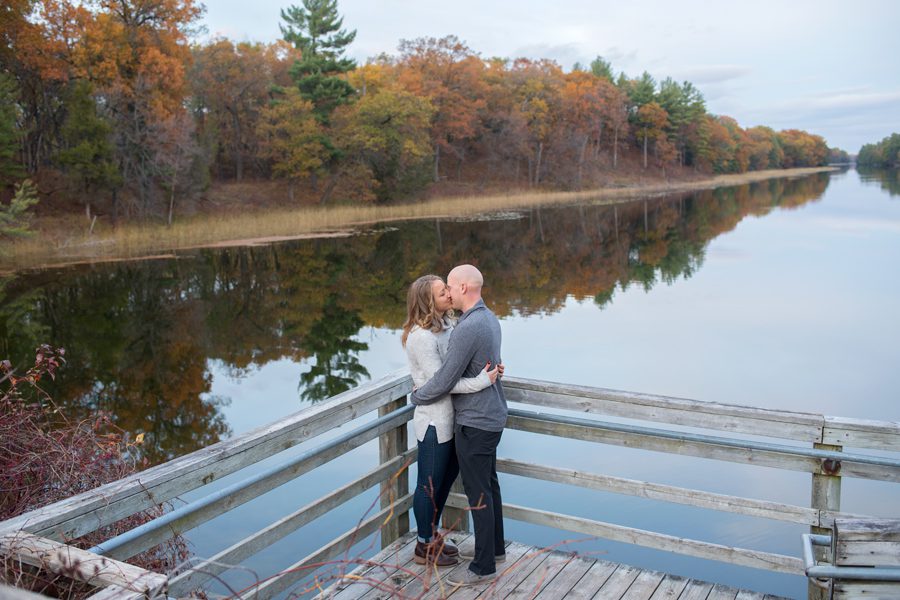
438,468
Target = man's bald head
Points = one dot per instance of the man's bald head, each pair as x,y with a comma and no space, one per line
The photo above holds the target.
465,283
467,274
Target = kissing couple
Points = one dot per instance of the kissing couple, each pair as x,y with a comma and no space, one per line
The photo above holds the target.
452,342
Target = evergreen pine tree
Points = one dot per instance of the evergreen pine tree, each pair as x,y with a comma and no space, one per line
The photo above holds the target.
315,30
15,218
88,153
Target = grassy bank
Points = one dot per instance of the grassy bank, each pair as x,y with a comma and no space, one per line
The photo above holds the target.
60,242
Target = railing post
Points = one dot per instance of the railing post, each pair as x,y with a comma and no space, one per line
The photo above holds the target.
456,519
826,496
390,445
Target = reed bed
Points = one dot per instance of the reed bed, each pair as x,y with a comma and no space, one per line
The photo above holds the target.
60,243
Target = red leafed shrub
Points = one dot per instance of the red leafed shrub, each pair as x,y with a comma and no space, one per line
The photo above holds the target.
45,457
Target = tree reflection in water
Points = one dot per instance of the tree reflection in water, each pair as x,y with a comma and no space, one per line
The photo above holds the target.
141,336
337,366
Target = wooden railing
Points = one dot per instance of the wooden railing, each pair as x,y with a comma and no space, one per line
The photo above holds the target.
717,431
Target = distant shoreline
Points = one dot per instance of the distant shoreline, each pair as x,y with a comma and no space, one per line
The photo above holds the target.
154,241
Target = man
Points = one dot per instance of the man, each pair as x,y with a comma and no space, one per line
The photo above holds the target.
480,419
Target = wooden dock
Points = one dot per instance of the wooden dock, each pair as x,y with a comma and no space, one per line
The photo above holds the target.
809,444
528,572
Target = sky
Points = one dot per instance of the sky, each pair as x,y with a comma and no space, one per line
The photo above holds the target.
828,67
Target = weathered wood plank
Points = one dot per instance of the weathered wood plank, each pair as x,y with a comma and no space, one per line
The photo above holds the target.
666,493
866,542
240,551
115,592
545,576
866,590
749,595
285,579
696,590
670,588
651,539
434,584
595,578
80,565
722,592
106,504
378,572
618,582
711,450
567,578
509,575
276,478
664,409
394,582
643,586
391,443
861,433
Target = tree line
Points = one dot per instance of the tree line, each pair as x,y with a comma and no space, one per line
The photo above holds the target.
884,154
110,101
141,336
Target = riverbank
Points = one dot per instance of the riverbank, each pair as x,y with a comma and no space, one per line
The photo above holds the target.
61,243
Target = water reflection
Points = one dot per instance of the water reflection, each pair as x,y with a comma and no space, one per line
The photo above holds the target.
336,353
887,179
140,336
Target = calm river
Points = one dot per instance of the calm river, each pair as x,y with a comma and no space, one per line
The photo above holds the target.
776,295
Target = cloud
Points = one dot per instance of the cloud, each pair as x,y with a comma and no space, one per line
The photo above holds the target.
843,100
710,74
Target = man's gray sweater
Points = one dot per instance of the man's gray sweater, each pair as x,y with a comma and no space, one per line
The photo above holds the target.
474,342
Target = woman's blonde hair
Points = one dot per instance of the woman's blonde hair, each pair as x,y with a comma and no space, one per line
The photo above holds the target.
420,309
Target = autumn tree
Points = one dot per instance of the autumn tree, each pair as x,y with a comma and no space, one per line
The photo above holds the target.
764,148
178,159
39,39
650,123
291,137
536,89
315,30
134,52
721,145
386,133
802,149
230,84
449,74
616,116
582,113
503,140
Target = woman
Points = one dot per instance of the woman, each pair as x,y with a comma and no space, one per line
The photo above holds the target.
426,335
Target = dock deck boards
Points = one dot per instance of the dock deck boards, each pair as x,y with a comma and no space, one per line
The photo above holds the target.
528,572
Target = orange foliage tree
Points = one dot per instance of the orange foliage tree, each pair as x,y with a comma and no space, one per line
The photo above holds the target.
449,74
230,84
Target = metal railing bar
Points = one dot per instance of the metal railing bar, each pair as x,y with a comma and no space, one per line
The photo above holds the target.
207,569
707,439
221,495
838,572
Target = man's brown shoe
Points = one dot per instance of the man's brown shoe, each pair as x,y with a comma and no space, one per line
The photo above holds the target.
431,553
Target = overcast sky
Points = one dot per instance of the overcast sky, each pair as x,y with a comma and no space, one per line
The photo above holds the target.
828,67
